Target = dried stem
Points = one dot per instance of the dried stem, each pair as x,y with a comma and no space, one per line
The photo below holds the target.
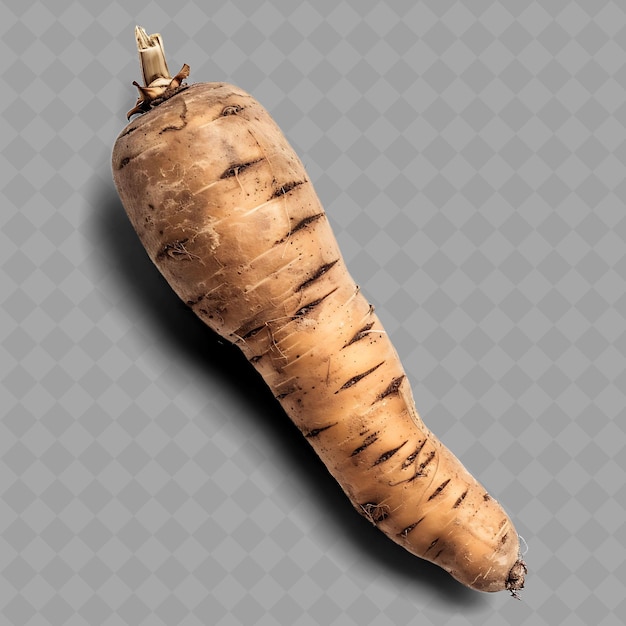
158,84
151,56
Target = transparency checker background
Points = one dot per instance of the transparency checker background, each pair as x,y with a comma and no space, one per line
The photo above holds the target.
471,159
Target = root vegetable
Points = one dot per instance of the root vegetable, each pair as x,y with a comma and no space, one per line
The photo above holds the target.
226,211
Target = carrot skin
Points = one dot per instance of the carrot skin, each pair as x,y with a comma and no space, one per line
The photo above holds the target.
226,211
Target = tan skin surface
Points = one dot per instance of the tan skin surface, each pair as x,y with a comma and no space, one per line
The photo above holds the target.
226,211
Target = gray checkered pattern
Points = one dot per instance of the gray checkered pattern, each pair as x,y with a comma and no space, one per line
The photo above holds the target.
471,157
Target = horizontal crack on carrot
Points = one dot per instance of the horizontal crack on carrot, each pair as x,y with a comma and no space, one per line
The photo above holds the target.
316,431
405,531
362,332
393,387
439,489
235,170
286,188
306,309
368,441
318,274
385,456
355,379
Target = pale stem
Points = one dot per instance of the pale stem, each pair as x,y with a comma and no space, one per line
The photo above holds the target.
151,56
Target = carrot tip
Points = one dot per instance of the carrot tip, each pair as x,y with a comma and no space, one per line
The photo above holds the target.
515,580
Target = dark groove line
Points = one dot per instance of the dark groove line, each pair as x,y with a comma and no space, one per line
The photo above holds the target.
304,310
439,489
318,274
183,119
286,188
172,127
423,465
385,456
235,170
253,332
460,499
392,388
303,223
129,130
358,377
411,458
125,161
368,441
432,545
359,334
405,531
419,472
316,431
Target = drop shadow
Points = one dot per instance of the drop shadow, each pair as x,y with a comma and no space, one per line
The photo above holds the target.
134,274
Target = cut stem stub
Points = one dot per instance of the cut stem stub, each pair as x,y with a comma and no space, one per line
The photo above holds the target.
158,84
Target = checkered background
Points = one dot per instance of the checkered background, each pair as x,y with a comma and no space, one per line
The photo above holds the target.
471,157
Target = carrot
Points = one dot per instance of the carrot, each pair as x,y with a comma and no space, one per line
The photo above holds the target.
226,211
